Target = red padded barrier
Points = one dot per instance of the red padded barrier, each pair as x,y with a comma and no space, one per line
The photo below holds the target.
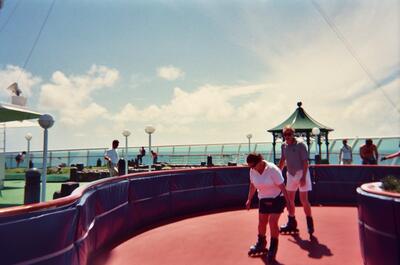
149,200
73,228
192,192
111,195
231,187
337,184
379,228
38,238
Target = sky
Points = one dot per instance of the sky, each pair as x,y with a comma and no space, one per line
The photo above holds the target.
200,71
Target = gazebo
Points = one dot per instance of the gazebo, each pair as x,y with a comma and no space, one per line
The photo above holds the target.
10,113
304,127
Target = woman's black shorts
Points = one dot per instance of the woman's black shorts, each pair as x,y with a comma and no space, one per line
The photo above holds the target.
272,205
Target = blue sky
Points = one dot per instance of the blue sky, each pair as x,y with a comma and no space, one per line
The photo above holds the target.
199,71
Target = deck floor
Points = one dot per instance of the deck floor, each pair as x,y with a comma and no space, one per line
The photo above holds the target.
224,238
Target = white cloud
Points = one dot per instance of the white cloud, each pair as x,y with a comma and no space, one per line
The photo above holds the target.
208,103
205,112
71,96
170,73
371,115
26,81
307,62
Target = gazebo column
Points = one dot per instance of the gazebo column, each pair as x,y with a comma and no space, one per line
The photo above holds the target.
308,145
319,145
327,146
273,146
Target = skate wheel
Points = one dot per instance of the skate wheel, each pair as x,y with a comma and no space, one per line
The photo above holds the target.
292,232
258,253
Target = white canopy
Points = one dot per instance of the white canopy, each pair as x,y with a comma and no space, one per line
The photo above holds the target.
16,113
14,116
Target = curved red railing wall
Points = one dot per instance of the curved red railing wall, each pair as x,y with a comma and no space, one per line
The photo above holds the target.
69,230
379,225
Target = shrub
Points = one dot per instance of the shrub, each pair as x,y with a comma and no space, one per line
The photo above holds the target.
391,184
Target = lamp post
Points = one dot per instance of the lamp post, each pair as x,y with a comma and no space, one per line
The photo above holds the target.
149,130
249,136
126,133
315,131
45,121
28,138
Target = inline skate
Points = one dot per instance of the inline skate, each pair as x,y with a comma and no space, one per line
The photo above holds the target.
290,227
310,225
259,248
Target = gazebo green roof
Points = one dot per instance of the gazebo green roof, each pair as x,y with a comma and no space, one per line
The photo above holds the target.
301,122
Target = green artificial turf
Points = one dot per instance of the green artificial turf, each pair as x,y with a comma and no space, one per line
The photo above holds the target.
14,185
53,175
50,177
13,192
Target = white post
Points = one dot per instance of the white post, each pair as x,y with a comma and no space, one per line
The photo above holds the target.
126,155
45,121
151,157
249,136
126,133
28,155
44,168
149,130
28,138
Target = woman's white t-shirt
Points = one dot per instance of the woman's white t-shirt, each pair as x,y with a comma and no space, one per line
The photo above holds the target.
267,182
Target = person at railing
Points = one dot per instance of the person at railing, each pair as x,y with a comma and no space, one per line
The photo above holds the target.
155,157
369,153
20,158
142,153
346,154
294,153
266,178
112,158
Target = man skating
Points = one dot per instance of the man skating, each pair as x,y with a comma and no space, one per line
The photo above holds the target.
294,153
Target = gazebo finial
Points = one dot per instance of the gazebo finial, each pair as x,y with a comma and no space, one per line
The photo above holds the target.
299,104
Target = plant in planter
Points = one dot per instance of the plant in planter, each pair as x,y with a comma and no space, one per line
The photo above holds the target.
391,184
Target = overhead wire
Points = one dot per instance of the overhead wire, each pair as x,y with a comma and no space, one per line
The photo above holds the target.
38,35
9,16
352,52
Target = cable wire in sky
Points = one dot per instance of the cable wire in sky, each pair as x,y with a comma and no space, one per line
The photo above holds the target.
9,16
38,35
350,49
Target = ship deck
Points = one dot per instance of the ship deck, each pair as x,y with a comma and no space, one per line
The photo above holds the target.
224,238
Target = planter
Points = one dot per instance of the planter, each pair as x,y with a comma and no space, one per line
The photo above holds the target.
379,224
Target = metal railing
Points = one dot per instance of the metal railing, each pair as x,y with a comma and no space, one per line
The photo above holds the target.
196,154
